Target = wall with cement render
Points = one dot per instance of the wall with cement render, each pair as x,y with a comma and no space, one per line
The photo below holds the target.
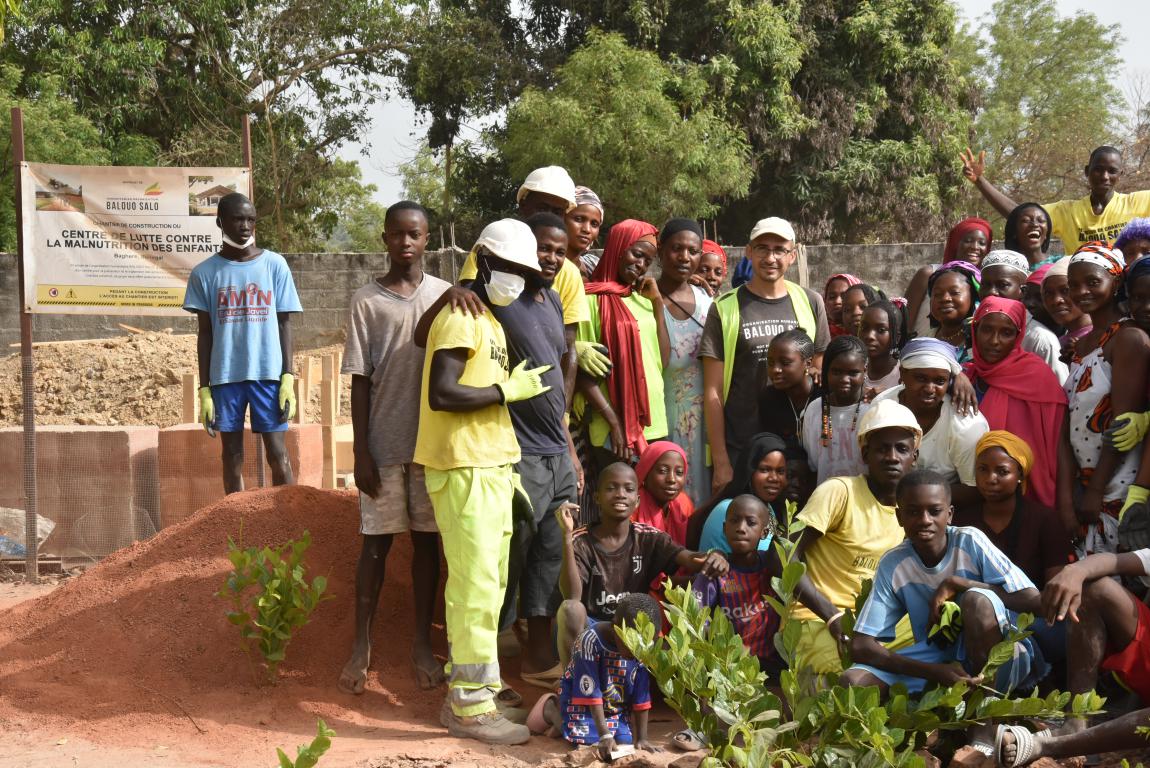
326,282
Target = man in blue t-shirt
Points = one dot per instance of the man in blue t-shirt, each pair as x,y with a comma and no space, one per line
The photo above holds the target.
533,324
243,297
938,563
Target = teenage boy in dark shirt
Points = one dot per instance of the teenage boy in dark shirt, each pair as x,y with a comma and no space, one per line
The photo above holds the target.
604,562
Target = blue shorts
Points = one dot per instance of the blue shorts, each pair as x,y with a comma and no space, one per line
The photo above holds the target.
1021,672
232,400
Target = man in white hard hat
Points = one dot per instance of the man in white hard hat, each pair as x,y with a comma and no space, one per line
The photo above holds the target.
738,332
468,448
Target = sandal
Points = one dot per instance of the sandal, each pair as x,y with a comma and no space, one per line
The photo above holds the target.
545,679
687,740
1024,742
508,697
536,722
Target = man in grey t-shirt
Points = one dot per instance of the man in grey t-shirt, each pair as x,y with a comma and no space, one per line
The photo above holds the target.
738,331
386,370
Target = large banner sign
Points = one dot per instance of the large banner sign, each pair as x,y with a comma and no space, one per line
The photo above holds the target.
118,240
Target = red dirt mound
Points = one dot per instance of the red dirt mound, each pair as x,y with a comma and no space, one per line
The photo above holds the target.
142,636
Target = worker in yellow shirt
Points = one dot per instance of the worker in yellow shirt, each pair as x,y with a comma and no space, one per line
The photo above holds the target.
850,525
467,446
1100,215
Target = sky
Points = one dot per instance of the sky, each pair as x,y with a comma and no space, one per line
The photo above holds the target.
395,132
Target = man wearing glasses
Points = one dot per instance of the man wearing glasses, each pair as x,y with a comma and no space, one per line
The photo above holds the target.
739,329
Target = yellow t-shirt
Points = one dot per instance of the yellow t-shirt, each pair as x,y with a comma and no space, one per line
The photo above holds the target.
857,531
1074,222
481,438
640,309
568,284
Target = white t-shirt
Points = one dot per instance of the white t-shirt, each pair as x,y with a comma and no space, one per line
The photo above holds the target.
1041,341
842,458
949,447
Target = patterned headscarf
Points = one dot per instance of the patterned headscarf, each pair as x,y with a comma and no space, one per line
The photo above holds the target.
584,196
1099,254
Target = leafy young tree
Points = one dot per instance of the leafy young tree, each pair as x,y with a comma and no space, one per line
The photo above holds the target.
635,129
1047,97
853,110
53,133
183,74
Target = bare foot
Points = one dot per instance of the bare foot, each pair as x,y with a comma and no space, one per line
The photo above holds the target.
428,670
353,678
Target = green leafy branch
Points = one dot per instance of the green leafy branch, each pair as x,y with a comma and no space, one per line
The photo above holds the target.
271,597
308,755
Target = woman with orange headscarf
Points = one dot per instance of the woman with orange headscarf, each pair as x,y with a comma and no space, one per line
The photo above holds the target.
628,403
1017,391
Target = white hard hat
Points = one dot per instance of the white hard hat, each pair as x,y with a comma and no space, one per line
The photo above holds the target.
549,180
510,240
887,413
773,225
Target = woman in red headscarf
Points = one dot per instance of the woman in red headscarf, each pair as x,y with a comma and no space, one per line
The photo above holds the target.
628,403
969,240
1017,391
662,473
712,269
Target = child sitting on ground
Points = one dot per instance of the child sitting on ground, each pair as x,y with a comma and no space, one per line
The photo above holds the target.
604,562
604,696
741,593
938,563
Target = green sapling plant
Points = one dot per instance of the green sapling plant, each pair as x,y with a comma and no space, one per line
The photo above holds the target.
271,597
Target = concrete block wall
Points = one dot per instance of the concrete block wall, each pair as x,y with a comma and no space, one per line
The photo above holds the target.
190,468
98,484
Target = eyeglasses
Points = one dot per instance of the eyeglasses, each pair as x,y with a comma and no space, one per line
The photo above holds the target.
773,251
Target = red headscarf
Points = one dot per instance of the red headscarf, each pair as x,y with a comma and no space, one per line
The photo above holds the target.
710,246
1023,396
673,520
950,253
619,331
836,329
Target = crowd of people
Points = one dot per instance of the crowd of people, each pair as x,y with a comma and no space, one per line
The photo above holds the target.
575,427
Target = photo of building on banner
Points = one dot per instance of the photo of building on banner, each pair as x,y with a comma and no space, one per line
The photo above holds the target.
117,239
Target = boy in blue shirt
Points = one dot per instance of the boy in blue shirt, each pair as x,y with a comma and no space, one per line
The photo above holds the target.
243,297
605,693
935,564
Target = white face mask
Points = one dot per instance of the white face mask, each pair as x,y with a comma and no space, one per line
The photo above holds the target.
504,288
249,242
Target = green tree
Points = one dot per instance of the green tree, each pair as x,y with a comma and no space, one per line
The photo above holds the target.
635,129
853,110
1047,97
182,75
53,133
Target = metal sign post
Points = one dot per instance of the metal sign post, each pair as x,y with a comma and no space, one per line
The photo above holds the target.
27,368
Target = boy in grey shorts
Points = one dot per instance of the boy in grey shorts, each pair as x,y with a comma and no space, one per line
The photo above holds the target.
386,369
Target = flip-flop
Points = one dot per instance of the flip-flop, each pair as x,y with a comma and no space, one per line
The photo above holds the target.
508,697
429,678
687,740
545,679
536,723
1023,745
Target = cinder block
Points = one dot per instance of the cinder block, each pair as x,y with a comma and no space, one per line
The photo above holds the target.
191,468
98,484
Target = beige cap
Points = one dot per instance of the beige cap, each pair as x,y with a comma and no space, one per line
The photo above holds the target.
549,180
510,240
1059,268
773,225
887,413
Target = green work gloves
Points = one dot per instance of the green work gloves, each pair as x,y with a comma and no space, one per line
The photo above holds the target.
524,384
1136,494
949,626
593,358
287,397
1127,430
207,410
